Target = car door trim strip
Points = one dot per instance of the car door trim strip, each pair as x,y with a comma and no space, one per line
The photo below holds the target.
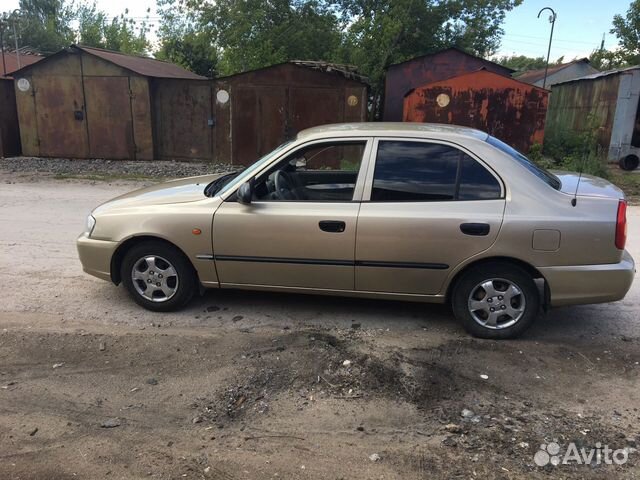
346,263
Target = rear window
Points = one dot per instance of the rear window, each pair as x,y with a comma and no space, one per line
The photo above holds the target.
549,178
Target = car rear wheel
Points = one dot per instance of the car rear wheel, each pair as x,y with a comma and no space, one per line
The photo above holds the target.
496,301
158,276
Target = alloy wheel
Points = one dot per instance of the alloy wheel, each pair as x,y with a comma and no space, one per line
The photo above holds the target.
154,278
496,303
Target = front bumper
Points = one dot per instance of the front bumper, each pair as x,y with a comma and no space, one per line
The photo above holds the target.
582,284
95,256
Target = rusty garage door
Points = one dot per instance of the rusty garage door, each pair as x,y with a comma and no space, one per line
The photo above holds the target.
61,117
263,116
183,119
109,121
257,109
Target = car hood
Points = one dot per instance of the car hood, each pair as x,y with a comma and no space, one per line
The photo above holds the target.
175,191
590,186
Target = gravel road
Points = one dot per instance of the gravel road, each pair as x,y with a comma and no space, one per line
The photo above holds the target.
244,385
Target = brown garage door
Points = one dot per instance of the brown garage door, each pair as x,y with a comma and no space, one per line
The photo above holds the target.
109,118
183,120
259,121
60,115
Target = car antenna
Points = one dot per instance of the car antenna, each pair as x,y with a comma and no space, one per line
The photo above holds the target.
574,200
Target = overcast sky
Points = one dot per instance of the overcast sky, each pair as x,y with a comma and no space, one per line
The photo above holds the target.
578,30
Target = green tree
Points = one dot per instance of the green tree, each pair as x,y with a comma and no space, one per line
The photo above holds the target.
183,41
607,59
382,32
43,25
121,34
50,25
627,29
254,33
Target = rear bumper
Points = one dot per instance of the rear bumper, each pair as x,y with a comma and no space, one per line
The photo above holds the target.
95,256
581,284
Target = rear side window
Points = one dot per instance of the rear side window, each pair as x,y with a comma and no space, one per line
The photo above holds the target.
428,172
549,178
476,182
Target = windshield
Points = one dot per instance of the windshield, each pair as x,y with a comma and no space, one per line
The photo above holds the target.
549,178
226,183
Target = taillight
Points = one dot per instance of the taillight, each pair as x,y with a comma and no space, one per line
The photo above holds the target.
621,225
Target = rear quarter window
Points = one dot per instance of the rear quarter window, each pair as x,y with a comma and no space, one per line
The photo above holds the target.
547,177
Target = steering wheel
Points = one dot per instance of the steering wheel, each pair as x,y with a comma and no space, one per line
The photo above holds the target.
284,186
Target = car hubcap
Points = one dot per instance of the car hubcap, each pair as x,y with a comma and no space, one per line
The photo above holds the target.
496,303
155,278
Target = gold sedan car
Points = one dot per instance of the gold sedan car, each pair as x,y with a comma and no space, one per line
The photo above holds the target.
417,212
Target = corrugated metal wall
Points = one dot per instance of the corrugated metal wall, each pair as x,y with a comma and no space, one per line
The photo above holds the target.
579,106
9,131
505,108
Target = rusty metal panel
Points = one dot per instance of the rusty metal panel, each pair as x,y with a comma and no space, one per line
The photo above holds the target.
109,120
25,103
142,117
244,130
510,110
270,105
183,119
310,107
97,67
222,143
149,67
403,77
9,131
61,116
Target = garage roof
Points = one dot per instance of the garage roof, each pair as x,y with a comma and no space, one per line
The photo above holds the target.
148,67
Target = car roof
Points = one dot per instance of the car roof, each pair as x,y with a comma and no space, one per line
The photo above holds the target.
400,129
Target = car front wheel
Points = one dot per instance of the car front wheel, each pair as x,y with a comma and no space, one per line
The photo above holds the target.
158,276
496,301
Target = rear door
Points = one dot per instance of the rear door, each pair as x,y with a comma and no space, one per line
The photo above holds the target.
427,206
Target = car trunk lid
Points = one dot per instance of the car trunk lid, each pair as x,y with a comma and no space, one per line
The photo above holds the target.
590,186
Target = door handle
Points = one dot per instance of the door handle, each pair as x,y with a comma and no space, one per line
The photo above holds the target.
476,229
333,226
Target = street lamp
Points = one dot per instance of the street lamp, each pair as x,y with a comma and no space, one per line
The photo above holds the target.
15,14
552,21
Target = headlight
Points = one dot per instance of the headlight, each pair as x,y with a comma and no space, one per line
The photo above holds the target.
91,223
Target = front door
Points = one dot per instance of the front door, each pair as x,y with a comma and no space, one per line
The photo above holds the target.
300,228
428,206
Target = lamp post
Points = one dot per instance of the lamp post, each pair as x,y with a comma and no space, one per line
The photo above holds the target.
15,15
4,63
552,21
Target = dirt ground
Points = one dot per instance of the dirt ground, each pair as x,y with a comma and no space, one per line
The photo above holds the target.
245,385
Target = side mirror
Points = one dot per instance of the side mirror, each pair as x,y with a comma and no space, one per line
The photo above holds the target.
245,192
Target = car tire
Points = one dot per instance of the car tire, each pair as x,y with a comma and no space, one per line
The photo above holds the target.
158,276
630,162
495,301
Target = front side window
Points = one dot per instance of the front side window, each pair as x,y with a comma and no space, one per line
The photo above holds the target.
319,172
426,172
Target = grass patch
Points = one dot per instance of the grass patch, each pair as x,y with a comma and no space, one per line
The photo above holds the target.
629,182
